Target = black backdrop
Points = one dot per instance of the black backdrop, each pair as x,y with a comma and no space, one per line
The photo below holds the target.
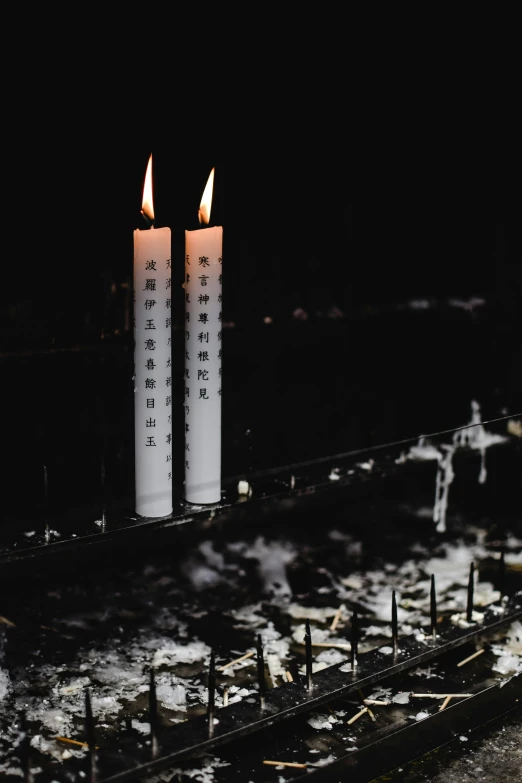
390,252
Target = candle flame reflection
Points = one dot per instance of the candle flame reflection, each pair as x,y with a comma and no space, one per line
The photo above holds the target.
147,205
206,201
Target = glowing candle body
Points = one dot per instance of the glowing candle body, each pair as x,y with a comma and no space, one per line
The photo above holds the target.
153,372
203,303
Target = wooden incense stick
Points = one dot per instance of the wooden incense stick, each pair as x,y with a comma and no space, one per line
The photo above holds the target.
237,660
471,657
356,717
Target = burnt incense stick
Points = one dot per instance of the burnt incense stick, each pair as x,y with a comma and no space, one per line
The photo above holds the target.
260,671
153,715
90,737
471,587
433,608
211,693
354,639
308,653
395,625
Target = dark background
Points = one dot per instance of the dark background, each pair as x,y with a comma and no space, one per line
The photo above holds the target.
390,251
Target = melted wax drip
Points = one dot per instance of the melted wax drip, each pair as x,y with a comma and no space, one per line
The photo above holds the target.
473,437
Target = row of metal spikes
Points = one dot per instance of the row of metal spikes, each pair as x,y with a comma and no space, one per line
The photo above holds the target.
153,703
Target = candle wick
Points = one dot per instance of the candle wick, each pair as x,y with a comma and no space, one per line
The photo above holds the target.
148,221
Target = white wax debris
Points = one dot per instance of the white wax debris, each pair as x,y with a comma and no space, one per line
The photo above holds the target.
324,761
243,488
509,653
320,615
5,683
272,558
334,474
74,686
444,479
401,698
421,715
386,650
181,653
460,620
331,657
143,728
321,721
170,692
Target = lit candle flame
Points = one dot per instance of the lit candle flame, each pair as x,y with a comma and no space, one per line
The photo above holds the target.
147,205
206,201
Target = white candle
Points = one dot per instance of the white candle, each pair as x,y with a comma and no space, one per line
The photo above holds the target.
203,351
152,364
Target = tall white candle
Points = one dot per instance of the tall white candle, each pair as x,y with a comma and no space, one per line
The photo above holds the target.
203,352
152,364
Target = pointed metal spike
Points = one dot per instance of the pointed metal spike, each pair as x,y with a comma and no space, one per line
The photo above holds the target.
395,625
308,652
211,693
433,609
47,533
471,588
355,639
90,736
103,491
25,750
261,671
502,575
153,715
46,488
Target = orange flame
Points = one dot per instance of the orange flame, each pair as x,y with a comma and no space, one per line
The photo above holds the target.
206,201
147,205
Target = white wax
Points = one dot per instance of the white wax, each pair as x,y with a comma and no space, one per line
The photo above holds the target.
203,305
153,372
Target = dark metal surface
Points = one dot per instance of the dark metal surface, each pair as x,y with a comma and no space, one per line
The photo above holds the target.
403,741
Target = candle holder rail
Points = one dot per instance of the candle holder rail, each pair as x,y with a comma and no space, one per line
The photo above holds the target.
246,499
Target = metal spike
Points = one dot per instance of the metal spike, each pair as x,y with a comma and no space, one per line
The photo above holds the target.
502,575
471,587
308,652
395,625
46,488
90,736
354,640
104,496
211,693
433,609
46,504
261,671
25,750
153,715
